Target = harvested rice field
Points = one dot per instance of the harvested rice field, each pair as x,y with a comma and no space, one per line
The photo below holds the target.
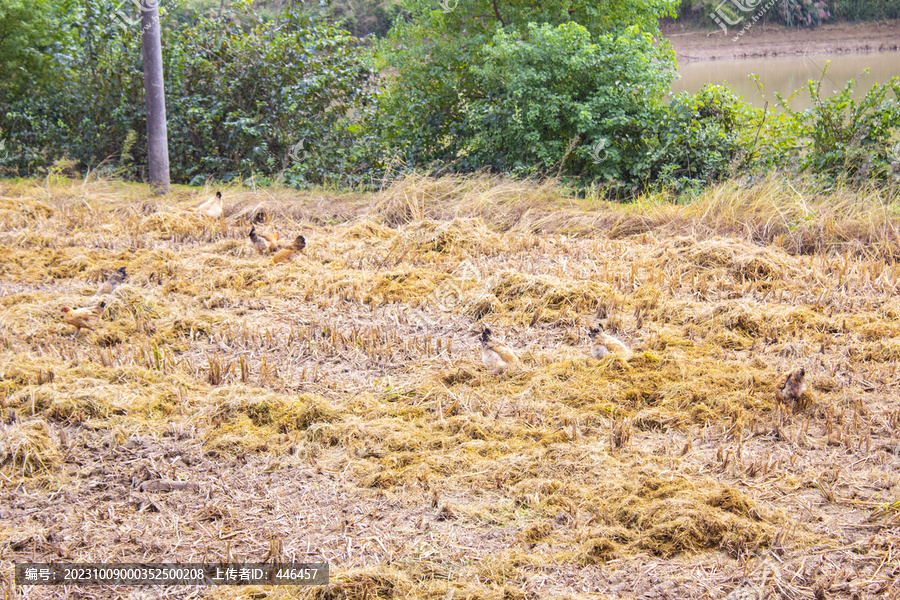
335,408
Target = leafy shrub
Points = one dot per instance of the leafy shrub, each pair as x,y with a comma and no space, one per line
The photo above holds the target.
838,137
85,98
551,98
703,137
799,13
803,13
365,17
793,13
555,101
441,85
25,25
463,90
263,99
865,10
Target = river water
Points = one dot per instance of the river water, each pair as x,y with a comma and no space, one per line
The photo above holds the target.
786,74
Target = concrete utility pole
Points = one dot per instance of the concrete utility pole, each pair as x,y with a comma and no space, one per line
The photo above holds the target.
154,97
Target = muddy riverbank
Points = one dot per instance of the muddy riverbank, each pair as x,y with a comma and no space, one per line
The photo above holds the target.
760,41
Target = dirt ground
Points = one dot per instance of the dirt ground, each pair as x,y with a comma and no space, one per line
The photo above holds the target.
779,41
335,408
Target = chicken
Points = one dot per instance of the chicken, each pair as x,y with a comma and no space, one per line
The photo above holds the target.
263,242
288,252
495,355
791,386
112,282
82,318
212,208
603,344
598,350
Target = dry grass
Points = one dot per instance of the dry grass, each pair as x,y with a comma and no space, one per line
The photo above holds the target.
335,408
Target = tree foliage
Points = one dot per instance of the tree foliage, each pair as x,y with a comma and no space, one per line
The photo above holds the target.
278,96
575,89
243,97
528,86
838,137
26,32
557,100
792,13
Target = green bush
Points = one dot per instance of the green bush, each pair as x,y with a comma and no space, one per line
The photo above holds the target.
797,13
269,98
529,89
279,97
839,137
365,17
26,30
864,10
803,13
792,13
295,98
550,99
557,100
85,97
703,138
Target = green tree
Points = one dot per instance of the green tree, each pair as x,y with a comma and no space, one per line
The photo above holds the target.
558,100
26,30
282,95
365,17
511,83
267,98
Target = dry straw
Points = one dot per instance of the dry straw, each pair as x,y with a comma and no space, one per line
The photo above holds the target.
335,407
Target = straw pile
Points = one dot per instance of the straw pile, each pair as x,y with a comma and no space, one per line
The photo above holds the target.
335,408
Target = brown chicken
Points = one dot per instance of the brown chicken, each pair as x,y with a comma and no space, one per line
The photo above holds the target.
288,252
112,282
603,344
263,242
212,208
495,355
791,386
82,318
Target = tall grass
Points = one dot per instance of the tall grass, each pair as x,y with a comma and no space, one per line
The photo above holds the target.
798,216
